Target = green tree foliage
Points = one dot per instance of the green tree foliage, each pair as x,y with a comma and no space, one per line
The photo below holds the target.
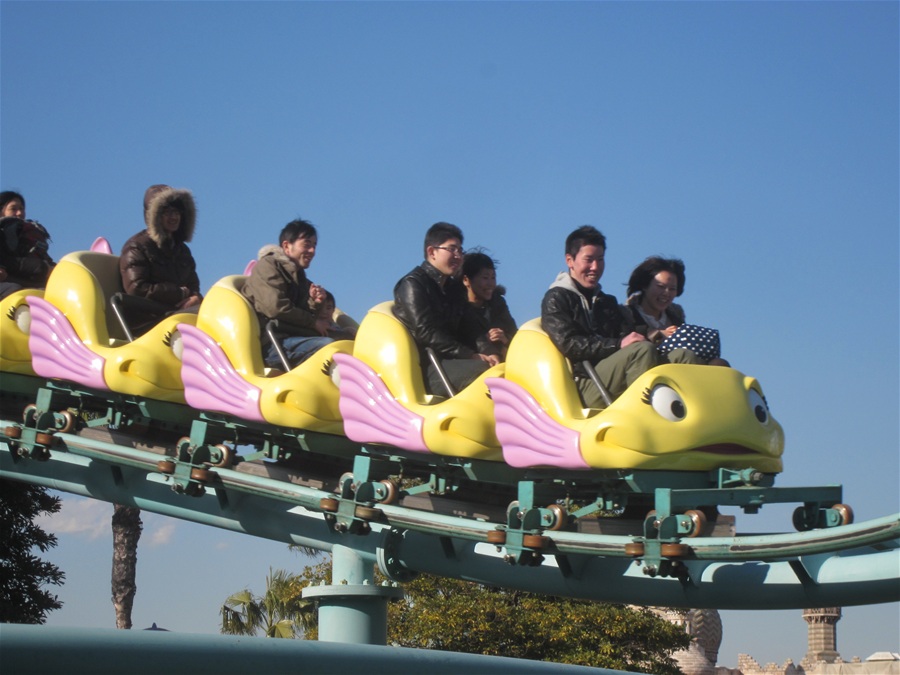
280,612
22,573
459,616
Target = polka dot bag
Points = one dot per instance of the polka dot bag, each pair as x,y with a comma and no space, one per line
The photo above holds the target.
704,342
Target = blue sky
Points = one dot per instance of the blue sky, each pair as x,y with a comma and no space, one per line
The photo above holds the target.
757,141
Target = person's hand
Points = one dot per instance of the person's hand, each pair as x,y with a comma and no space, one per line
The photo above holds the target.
3,274
631,338
322,326
670,331
497,335
190,301
316,294
490,359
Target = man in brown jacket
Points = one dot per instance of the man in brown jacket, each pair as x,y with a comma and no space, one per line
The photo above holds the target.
279,290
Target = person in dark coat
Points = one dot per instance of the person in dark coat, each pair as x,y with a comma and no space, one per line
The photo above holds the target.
431,302
24,258
156,263
488,326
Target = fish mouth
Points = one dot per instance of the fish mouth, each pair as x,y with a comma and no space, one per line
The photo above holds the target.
726,449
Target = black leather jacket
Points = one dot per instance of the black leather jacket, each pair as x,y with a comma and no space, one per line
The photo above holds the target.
431,313
582,329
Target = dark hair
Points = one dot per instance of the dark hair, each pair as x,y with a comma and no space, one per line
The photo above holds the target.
586,235
297,229
644,273
7,196
439,233
475,261
330,296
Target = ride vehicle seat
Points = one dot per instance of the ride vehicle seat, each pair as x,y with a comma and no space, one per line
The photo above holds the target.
534,362
384,341
384,400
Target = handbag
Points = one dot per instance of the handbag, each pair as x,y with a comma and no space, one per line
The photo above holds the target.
704,342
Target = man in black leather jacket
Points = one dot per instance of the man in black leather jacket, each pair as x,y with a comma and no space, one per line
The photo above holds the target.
431,302
586,324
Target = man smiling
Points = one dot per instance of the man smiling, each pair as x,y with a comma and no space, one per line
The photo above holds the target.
431,302
278,289
586,324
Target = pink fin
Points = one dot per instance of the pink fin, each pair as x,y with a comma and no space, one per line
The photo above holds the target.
101,245
529,436
56,349
371,414
211,382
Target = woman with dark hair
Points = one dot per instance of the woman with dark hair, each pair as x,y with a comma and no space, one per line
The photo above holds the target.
488,325
24,260
12,204
650,307
652,288
156,263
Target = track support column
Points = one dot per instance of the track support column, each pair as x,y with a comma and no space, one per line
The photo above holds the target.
352,609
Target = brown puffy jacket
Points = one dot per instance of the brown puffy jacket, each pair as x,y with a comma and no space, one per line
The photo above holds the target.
156,264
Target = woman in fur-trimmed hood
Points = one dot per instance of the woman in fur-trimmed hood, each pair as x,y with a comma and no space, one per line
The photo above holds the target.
156,263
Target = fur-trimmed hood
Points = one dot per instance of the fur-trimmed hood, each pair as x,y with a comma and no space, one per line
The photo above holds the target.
270,248
159,197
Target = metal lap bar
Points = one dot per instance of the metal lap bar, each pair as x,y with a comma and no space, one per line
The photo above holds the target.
115,302
604,392
436,362
271,327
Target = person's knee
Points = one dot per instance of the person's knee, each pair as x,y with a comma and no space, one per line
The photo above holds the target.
643,352
642,348
684,356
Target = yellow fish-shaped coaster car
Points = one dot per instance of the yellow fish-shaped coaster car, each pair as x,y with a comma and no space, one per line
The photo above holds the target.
74,335
224,371
674,417
383,398
15,325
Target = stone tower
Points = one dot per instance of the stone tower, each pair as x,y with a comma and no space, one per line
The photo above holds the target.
822,634
705,627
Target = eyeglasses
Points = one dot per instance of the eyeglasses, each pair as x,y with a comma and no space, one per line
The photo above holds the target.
452,250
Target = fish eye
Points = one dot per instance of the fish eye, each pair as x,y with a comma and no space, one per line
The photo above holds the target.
667,403
759,407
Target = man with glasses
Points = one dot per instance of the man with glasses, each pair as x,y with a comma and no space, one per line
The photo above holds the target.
431,302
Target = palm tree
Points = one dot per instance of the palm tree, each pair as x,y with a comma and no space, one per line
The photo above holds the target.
126,529
280,613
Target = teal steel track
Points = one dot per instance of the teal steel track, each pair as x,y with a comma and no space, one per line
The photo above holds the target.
838,566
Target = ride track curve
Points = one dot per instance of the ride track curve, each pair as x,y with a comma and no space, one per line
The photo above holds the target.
846,565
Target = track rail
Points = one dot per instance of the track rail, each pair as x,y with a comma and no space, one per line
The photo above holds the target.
848,565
